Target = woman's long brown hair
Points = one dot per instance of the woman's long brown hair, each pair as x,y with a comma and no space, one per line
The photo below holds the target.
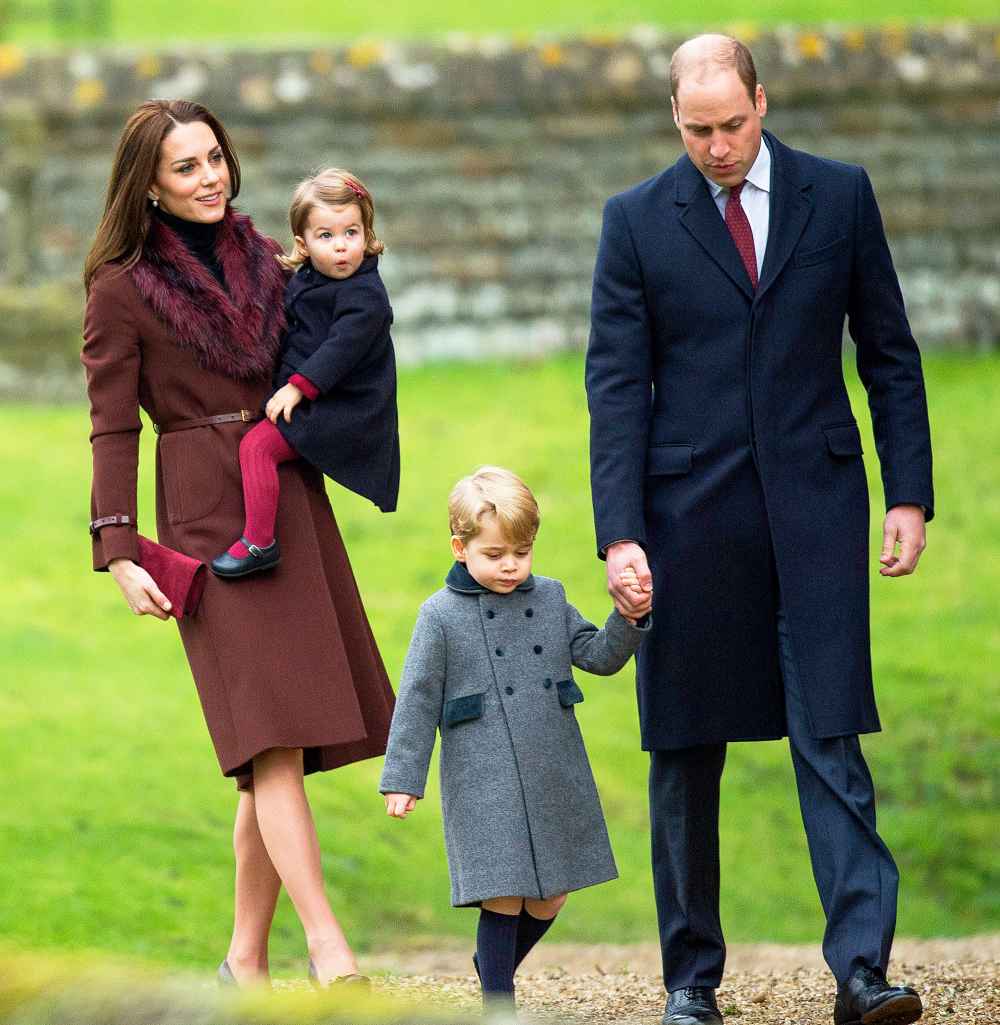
125,224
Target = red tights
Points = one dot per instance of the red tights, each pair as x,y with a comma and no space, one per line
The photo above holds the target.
263,447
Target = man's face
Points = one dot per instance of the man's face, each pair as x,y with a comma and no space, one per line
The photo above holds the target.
720,124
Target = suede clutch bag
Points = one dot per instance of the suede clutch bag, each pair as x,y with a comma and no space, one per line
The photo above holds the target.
178,576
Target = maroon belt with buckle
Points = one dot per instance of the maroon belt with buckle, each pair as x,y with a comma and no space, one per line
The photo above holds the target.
243,416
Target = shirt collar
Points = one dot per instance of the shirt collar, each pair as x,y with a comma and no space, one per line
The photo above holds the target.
460,579
759,174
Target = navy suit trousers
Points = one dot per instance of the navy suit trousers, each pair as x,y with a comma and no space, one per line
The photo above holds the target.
855,874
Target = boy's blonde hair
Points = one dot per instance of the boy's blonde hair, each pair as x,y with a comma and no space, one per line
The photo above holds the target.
492,489
330,187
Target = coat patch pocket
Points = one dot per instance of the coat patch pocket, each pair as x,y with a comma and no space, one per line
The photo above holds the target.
844,439
569,693
192,481
823,254
468,706
669,460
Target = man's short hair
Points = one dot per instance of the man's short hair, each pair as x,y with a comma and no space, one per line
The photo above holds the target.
730,53
492,489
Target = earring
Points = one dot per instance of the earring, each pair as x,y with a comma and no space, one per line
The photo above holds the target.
155,201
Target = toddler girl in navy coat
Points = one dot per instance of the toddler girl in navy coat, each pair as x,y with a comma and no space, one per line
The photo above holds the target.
337,371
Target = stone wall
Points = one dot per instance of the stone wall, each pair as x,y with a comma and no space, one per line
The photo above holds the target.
490,160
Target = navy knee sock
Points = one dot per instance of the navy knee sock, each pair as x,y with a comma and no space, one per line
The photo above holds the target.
496,941
529,931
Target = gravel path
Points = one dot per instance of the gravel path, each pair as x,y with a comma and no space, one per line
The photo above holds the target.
765,984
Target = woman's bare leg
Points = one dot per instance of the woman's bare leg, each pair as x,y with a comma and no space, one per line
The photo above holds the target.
289,834
257,887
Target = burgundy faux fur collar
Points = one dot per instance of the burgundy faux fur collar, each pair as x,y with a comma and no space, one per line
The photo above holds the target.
236,334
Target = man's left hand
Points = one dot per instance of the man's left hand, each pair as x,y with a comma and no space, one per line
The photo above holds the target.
904,525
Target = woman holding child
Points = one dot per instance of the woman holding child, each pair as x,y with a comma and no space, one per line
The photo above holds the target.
184,319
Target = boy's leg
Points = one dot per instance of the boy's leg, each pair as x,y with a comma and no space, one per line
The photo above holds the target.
534,922
496,943
262,449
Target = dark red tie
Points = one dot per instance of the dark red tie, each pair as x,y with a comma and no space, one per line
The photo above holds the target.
739,227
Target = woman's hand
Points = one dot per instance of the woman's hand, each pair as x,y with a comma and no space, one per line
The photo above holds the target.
282,402
399,805
143,596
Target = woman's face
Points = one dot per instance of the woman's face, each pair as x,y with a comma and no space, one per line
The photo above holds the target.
192,178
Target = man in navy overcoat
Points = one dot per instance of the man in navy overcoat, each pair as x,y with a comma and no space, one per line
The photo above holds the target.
726,469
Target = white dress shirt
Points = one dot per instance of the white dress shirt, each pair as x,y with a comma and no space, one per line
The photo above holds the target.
755,200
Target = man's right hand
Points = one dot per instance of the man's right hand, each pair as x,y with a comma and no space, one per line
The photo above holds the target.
631,602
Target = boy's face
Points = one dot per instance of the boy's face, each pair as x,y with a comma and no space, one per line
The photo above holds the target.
494,560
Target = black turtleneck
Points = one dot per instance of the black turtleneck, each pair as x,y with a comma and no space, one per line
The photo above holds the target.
199,238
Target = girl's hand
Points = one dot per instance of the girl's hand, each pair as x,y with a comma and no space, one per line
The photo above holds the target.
282,402
399,805
143,596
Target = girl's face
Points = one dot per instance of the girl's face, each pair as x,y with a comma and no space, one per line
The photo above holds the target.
334,238
494,560
192,177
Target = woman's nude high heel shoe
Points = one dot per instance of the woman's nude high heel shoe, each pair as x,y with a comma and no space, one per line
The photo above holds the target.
225,976
361,981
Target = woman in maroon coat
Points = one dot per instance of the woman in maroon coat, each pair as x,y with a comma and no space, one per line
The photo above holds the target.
184,314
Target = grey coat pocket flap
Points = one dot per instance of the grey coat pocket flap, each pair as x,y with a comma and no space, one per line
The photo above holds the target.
844,439
468,706
669,460
569,693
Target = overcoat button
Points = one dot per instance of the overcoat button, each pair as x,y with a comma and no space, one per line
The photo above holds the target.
529,613
500,651
538,649
509,690
490,613
547,684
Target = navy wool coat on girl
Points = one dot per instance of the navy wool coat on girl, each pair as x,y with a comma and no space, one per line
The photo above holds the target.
723,441
338,338
493,673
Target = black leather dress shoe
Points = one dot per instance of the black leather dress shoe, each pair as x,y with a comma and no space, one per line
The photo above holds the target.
230,566
693,1005
867,999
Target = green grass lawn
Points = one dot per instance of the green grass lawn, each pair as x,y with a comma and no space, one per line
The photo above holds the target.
115,821
158,21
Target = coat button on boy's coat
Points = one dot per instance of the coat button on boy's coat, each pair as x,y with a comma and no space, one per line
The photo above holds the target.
490,613
509,690
529,613
500,651
538,649
547,684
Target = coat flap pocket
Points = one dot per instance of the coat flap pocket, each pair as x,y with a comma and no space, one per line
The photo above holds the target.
468,706
844,439
669,460
569,693
821,254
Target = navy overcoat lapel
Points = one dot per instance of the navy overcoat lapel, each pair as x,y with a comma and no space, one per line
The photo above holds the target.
791,208
700,216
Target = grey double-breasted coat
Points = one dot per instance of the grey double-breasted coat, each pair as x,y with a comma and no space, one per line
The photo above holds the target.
493,673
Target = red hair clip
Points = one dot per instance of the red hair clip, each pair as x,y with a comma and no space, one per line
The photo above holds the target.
356,189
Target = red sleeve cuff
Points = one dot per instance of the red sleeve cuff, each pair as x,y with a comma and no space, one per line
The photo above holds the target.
305,386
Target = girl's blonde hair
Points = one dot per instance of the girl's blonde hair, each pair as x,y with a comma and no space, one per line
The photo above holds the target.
330,187
492,489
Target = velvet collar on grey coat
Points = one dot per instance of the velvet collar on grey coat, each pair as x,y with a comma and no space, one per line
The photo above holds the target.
460,579
234,331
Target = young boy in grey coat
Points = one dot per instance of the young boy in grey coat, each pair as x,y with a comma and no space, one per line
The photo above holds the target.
490,666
